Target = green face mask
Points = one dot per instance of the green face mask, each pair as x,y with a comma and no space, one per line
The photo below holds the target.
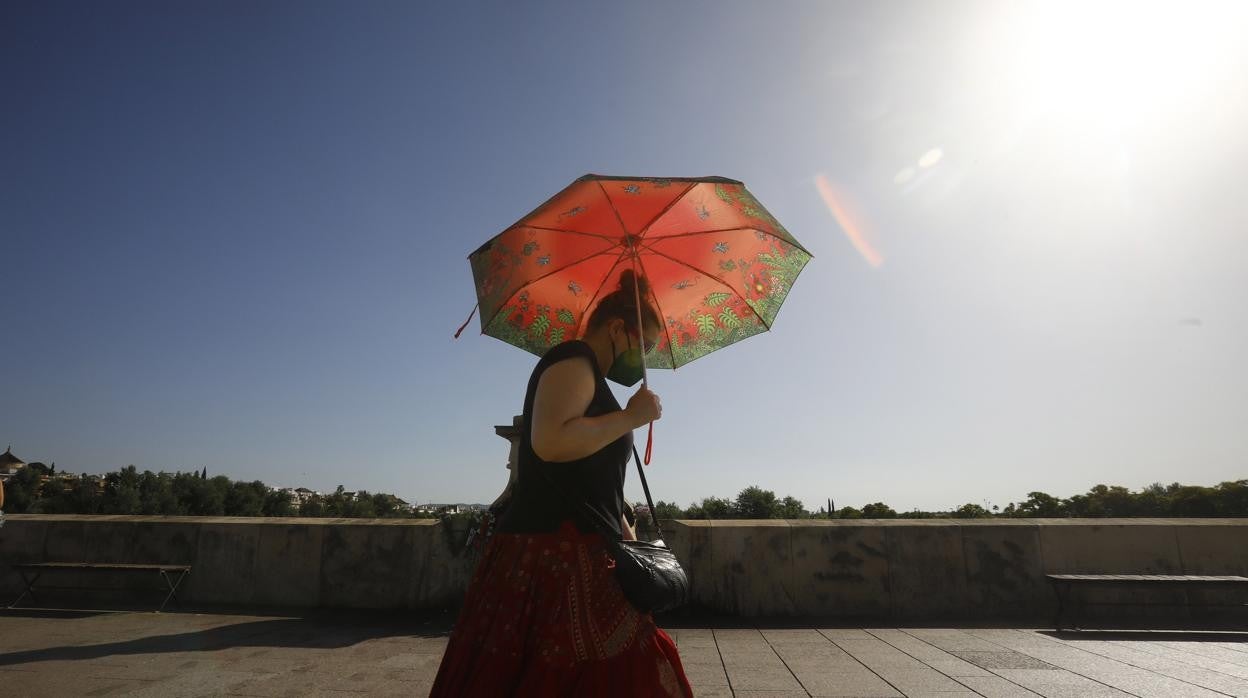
626,369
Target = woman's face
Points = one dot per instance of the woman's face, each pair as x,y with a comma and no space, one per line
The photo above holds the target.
622,335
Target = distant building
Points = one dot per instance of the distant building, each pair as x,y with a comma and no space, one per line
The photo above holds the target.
447,508
299,495
10,464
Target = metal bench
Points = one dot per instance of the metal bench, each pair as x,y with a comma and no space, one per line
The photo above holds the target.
1064,583
31,571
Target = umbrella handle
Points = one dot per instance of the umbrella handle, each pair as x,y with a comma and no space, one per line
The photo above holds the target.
649,442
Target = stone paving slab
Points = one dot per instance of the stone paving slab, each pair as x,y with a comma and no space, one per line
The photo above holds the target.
338,654
1110,672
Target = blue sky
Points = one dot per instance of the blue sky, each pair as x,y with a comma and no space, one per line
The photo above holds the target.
234,235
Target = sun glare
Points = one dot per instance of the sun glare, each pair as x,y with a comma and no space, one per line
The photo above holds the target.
1113,64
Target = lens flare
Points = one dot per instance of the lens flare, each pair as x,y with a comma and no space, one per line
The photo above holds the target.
931,157
852,229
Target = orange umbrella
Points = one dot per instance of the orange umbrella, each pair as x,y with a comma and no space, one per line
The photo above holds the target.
718,264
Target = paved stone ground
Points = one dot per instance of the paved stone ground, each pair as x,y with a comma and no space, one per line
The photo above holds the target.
194,654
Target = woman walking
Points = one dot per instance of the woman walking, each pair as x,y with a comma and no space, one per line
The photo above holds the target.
544,615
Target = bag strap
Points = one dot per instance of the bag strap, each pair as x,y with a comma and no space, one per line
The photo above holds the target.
649,502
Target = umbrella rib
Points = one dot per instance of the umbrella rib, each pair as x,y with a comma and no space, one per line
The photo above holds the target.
791,243
700,232
666,208
530,282
614,210
642,266
648,245
725,283
659,309
562,230
581,320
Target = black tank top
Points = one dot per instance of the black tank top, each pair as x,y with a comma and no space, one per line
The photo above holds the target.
536,505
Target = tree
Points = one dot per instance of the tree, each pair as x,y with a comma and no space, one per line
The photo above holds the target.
971,511
1232,498
199,497
361,506
756,503
1193,501
711,508
916,514
668,510
244,498
70,496
21,492
1114,501
384,505
1039,504
312,506
878,510
337,503
278,503
53,498
790,508
85,495
156,494
1152,501
121,492
848,513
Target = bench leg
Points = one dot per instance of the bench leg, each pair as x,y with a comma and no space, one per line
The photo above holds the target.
173,588
1061,589
30,588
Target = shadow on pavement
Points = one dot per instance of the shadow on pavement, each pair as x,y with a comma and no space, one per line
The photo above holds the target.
328,630
1148,635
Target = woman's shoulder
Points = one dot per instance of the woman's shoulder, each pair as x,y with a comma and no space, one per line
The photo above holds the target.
567,350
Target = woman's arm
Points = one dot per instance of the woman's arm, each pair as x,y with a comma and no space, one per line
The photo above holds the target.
561,432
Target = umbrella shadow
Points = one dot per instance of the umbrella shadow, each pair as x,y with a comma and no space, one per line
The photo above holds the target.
311,633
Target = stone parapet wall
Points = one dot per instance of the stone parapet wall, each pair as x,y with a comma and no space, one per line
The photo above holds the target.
938,568
902,569
344,563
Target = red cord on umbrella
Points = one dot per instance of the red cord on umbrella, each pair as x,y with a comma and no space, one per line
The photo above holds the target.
649,442
461,327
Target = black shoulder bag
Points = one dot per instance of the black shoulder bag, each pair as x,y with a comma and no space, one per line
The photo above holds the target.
649,573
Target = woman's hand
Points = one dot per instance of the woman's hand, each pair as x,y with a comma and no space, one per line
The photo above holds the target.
644,407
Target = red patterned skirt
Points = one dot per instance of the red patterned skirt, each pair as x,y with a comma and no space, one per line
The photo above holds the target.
544,616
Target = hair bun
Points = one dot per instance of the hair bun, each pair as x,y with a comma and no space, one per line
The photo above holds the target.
632,284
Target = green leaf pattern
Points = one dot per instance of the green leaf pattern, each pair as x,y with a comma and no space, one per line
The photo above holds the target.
706,324
540,324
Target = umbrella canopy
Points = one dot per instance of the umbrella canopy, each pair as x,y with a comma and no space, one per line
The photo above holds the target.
719,265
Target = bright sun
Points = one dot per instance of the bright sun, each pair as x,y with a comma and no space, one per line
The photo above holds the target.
1115,64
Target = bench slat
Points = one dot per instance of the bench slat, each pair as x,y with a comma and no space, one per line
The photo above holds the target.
99,566
1154,578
